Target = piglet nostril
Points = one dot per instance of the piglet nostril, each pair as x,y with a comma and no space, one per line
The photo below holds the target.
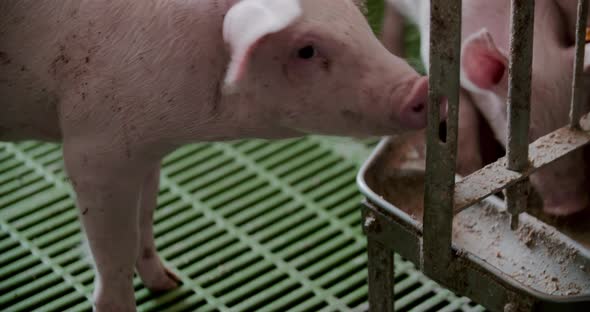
418,108
412,113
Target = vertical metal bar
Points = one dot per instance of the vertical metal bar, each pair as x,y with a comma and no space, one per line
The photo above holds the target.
381,277
445,44
517,197
519,98
577,108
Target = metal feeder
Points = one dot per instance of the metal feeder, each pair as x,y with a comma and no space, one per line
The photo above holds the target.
454,229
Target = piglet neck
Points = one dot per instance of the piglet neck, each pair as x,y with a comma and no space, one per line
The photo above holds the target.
246,116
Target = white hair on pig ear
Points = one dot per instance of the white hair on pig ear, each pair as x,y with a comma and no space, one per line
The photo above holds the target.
246,23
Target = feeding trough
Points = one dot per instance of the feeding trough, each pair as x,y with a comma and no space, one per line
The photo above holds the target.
539,265
501,253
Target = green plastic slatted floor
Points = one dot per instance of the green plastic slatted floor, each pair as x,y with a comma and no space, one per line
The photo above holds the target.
248,226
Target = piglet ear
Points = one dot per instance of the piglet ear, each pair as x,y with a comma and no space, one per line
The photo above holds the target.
482,63
247,22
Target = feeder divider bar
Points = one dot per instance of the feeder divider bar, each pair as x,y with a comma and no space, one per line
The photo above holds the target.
519,98
445,46
381,277
577,108
495,177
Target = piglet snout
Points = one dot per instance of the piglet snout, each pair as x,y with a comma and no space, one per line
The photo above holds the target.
413,112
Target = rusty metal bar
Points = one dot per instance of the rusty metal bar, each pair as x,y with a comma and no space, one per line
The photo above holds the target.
577,108
380,266
495,177
381,277
517,196
519,98
445,43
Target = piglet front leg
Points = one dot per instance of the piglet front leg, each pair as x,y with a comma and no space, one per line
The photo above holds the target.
155,276
108,188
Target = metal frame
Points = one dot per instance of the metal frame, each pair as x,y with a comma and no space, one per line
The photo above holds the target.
431,245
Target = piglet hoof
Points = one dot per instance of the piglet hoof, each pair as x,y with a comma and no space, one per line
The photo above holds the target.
173,276
112,300
101,306
155,276
161,280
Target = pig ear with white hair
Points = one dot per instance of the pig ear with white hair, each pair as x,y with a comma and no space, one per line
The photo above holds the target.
483,65
246,23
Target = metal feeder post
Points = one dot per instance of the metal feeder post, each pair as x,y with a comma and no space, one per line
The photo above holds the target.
519,103
445,53
577,104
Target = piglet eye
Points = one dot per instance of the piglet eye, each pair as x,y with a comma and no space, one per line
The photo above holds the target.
306,52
